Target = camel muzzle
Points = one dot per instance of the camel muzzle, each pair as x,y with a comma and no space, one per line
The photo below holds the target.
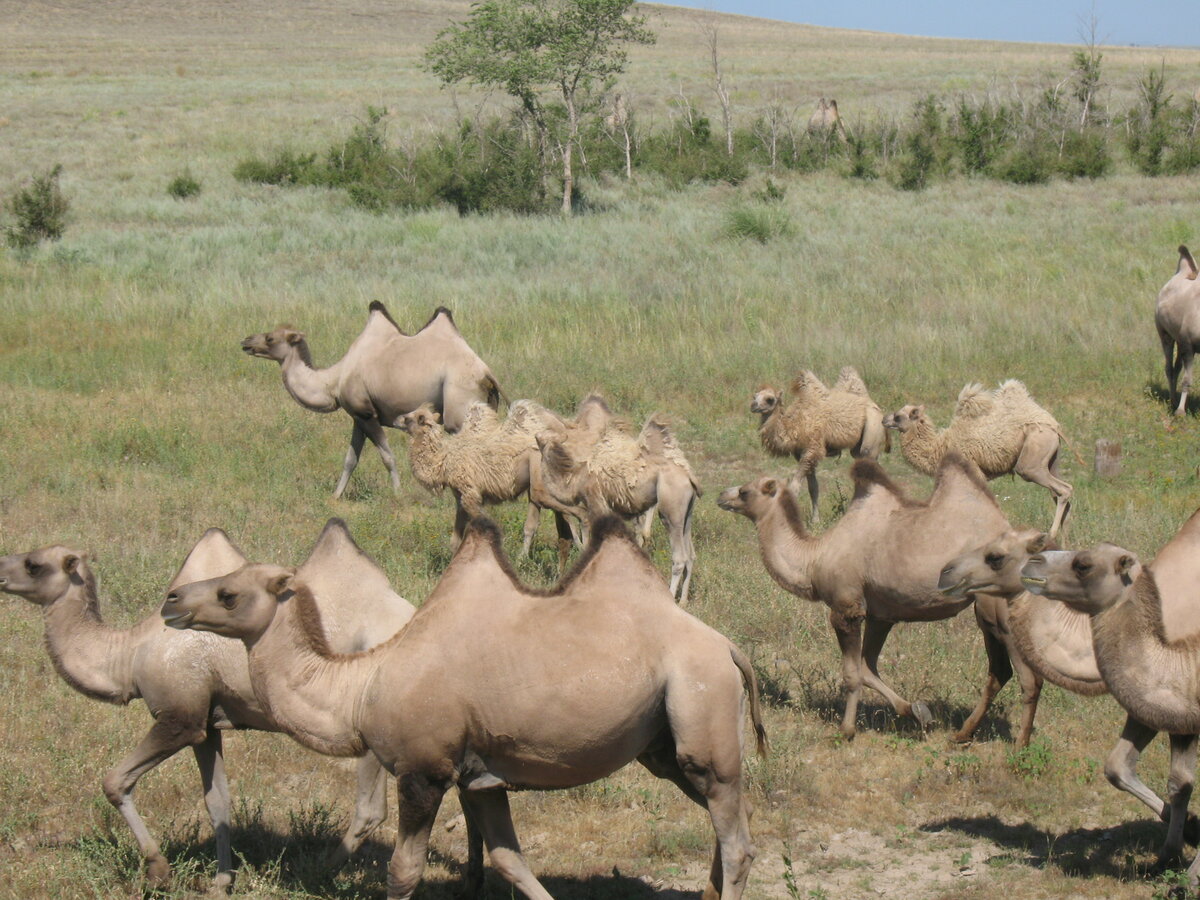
172,616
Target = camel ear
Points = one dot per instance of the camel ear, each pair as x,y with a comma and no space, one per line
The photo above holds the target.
70,564
295,337
1187,264
770,487
919,410
1125,563
1038,544
279,583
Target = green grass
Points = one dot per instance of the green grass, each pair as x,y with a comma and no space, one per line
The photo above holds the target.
131,422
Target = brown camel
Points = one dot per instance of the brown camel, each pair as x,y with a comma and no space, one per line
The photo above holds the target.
878,565
384,374
1147,646
193,704
1177,318
494,686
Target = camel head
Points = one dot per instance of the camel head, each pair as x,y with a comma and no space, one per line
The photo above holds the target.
906,417
1089,581
241,604
764,401
42,576
995,567
421,419
564,475
752,499
275,344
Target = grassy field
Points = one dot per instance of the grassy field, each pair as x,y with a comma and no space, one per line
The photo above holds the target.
131,422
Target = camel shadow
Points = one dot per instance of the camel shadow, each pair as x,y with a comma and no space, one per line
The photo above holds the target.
1080,852
879,717
1159,393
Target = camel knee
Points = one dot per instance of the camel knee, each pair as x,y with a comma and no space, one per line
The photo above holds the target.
403,877
1117,769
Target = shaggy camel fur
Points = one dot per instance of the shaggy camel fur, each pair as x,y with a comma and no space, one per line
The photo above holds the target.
1147,646
384,374
596,464
826,119
878,565
494,686
193,704
1046,640
486,461
1002,431
1177,318
820,422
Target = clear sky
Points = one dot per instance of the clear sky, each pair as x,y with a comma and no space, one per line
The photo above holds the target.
1174,23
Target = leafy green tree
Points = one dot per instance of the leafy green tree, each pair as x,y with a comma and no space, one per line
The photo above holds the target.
532,49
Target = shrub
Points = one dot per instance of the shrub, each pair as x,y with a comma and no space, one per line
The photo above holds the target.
39,211
1028,163
286,167
758,223
183,186
1084,154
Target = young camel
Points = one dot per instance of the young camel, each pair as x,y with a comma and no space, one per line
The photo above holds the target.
820,422
1002,431
487,461
1177,318
384,374
1147,644
595,465
1046,640
494,686
878,565
193,704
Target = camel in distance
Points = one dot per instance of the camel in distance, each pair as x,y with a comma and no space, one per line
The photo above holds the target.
384,374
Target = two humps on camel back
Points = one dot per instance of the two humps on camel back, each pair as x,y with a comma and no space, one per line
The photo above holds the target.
508,688
1002,432
384,374
819,421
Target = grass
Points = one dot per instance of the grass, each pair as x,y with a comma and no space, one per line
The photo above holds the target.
132,422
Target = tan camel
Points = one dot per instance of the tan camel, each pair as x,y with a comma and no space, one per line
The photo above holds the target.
826,120
384,374
1046,640
596,465
1002,431
820,422
1177,318
494,686
878,565
193,704
487,461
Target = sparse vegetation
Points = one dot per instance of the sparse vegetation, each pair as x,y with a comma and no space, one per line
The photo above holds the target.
184,186
38,212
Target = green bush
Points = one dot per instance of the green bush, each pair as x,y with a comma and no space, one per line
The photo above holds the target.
39,212
183,186
285,167
1028,163
757,223
1084,155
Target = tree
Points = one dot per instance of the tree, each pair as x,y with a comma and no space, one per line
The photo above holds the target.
531,48
1086,63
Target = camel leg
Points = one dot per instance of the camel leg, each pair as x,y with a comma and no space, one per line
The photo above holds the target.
642,526
808,468
1034,464
676,500
1121,771
460,523
491,813
473,884
999,672
378,436
358,437
1179,792
1172,369
211,763
370,808
164,740
532,518
849,636
418,799
567,538
876,633
1184,365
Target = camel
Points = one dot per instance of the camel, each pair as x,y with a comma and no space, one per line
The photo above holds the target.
596,465
384,374
820,422
1046,640
494,686
193,704
1002,431
878,565
1147,644
487,461
826,120
1177,318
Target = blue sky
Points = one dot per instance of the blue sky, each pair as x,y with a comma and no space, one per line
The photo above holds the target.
1174,23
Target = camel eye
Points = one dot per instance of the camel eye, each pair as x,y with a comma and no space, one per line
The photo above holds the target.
743,493
1081,568
227,599
994,560
32,568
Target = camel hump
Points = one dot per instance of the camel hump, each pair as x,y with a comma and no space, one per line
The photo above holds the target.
593,412
808,386
478,417
851,382
1187,265
213,555
866,474
378,307
440,312
338,568
657,439
953,470
974,402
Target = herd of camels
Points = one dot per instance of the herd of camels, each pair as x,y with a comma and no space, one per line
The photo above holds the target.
492,685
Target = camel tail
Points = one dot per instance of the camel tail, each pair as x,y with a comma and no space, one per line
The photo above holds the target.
760,733
494,394
887,440
1079,459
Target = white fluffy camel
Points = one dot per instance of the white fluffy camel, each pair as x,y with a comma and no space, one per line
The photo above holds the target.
1002,431
494,686
820,422
1177,318
384,374
878,565
193,704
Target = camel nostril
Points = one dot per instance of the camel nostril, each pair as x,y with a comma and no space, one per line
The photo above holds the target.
172,597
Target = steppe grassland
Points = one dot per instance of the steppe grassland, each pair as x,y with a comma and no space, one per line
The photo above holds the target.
131,421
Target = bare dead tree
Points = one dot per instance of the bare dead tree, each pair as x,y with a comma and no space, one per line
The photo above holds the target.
709,30
617,124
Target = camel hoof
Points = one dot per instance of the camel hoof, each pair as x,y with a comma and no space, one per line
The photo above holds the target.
222,884
921,713
1191,830
960,737
158,872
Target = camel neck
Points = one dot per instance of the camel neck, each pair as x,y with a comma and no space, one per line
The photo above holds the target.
311,388
921,446
787,551
426,456
92,657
